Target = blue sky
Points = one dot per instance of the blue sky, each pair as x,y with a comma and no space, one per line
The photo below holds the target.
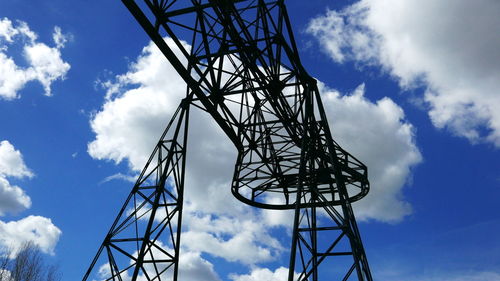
410,87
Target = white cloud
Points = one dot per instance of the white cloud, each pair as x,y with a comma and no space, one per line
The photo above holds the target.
7,31
5,274
59,38
44,63
41,231
450,47
11,162
12,198
13,77
378,135
132,119
119,176
136,118
259,274
192,267
234,239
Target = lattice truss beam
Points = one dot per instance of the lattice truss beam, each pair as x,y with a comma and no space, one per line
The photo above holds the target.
241,66
143,242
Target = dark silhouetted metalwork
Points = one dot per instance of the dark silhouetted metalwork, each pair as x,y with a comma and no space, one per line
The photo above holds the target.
241,66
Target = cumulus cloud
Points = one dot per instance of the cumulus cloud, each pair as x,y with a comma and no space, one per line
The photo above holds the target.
39,230
234,239
8,31
11,161
12,198
13,77
192,267
258,274
449,47
134,118
44,63
378,134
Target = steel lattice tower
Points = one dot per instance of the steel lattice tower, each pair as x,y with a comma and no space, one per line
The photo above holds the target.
242,67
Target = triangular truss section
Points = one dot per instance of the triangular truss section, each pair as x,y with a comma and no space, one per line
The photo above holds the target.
143,242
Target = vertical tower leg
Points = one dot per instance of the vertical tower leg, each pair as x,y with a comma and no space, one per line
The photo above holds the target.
144,240
325,230
322,236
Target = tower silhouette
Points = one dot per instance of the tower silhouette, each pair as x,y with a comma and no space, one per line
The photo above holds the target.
242,67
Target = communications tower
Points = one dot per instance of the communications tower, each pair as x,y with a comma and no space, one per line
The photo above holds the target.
241,65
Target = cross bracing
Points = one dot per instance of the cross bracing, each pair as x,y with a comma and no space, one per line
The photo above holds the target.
241,65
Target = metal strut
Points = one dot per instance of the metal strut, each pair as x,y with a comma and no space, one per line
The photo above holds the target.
241,65
144,240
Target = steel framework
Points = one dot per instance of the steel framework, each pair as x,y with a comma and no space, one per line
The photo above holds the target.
241,66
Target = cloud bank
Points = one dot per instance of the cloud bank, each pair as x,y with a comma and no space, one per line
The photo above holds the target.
12,198
13,234
257,274
378,134
448,47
